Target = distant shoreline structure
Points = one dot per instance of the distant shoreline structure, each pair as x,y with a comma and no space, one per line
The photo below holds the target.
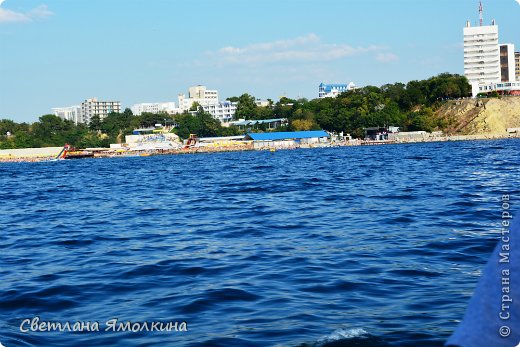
27,155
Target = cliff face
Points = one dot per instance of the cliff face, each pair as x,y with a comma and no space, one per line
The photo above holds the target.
481,116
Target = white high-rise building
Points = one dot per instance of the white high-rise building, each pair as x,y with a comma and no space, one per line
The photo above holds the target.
481,55
198,94
92,107
72,113
168,107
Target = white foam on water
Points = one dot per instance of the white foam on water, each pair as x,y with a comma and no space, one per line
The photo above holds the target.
343,334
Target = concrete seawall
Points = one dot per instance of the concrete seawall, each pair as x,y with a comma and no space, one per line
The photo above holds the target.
30,153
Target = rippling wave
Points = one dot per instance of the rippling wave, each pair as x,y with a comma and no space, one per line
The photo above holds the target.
361,246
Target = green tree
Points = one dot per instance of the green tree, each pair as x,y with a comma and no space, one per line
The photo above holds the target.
195,106
128,113
51,130
209,126
188,124
422,120
7,125
246,107
95,123
302,124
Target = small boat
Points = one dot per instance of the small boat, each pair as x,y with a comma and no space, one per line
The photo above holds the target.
78,155
69,152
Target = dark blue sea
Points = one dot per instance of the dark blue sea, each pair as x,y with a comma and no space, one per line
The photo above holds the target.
354,246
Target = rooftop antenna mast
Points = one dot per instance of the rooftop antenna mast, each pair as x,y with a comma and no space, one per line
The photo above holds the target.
481,13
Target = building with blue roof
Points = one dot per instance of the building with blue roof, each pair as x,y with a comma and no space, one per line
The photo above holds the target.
287,139
333,90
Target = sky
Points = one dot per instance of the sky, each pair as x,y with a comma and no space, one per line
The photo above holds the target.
57,53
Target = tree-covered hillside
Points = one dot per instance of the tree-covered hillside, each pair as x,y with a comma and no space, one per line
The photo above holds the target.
409,106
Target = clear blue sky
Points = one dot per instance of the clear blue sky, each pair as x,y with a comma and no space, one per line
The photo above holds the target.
56,53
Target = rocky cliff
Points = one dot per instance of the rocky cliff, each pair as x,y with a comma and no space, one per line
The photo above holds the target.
480,116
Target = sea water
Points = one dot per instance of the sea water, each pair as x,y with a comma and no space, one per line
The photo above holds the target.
352,246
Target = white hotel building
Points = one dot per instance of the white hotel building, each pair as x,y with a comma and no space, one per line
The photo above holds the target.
223,111
198,94
488,65
333,90
157,107
72,113
88,109
208,100
481,55
93,107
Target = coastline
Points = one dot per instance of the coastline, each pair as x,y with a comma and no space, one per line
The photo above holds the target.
33,155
